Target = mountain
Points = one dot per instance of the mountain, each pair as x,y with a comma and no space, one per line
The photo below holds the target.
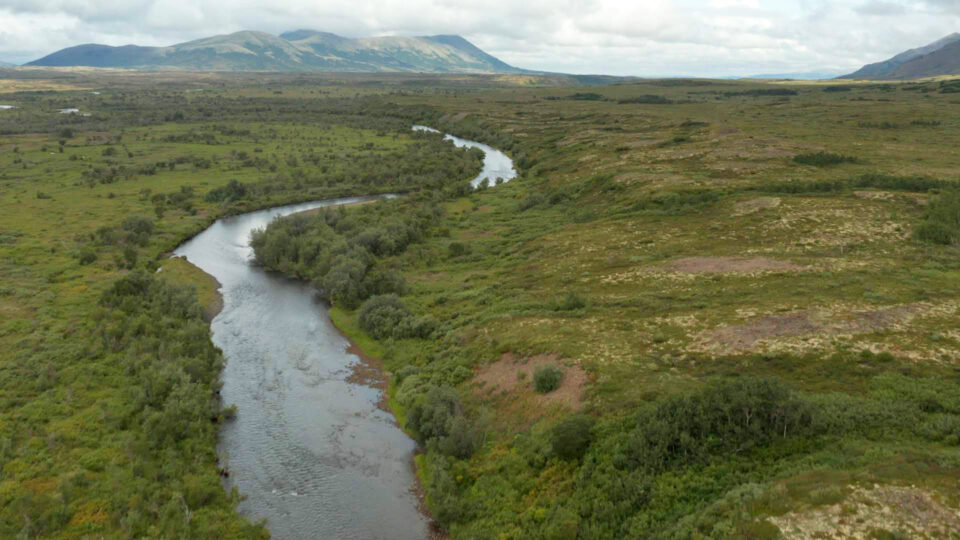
6,64
937,58
300,50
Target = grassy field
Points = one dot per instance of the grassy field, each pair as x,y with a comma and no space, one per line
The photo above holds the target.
664,239
662,247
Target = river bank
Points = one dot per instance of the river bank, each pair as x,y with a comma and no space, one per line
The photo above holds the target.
182,271
370,370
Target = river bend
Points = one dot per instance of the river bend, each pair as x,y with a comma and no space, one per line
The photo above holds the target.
313,453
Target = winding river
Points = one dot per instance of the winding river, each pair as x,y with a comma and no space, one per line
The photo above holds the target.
313,453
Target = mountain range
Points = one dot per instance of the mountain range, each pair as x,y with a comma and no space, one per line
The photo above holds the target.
942,57
300,50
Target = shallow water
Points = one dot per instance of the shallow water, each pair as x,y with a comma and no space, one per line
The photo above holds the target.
313,453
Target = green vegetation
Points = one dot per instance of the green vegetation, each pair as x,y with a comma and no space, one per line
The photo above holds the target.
749,345
110,405
941,223
823,159
712,407
547,378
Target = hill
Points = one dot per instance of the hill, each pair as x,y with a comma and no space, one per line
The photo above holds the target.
937,58
300,50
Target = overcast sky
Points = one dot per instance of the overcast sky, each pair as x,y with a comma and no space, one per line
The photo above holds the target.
619,37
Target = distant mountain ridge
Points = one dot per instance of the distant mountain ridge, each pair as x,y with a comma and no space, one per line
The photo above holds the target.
942,57
801,76
299,50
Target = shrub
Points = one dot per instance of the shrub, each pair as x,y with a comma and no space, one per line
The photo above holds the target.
343,283
646,99
378,282
942,222
534,199
571,437
572,301
138,224
757,92
384,316
458,249
438,418
935,233
546,379
677,203
587,96
823,159
233,191
380,315
727,416
87,256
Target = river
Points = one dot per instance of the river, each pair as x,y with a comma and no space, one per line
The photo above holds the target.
496,164
313,453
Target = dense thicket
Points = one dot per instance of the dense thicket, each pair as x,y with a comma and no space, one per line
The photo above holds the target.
165,484
336,249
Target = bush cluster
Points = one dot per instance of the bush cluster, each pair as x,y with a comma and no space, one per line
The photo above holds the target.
440,421
941,224
546,379
385,316
823,159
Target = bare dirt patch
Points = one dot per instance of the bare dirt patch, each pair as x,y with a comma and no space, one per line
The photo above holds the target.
908,511
503,378
730,265
745,337
755,205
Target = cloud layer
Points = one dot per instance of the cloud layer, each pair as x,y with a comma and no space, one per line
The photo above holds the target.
651,38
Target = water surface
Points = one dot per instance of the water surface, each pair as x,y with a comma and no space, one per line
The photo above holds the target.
312,452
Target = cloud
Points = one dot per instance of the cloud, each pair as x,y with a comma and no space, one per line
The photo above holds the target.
881,9
655,37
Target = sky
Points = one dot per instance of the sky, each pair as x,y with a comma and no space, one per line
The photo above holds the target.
704,38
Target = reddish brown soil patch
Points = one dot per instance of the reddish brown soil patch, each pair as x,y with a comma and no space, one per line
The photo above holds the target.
503,378
801,323
730,265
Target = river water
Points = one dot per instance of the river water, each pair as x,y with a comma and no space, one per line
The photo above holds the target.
312,452
496,164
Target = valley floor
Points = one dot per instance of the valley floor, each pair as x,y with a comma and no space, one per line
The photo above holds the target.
751,292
